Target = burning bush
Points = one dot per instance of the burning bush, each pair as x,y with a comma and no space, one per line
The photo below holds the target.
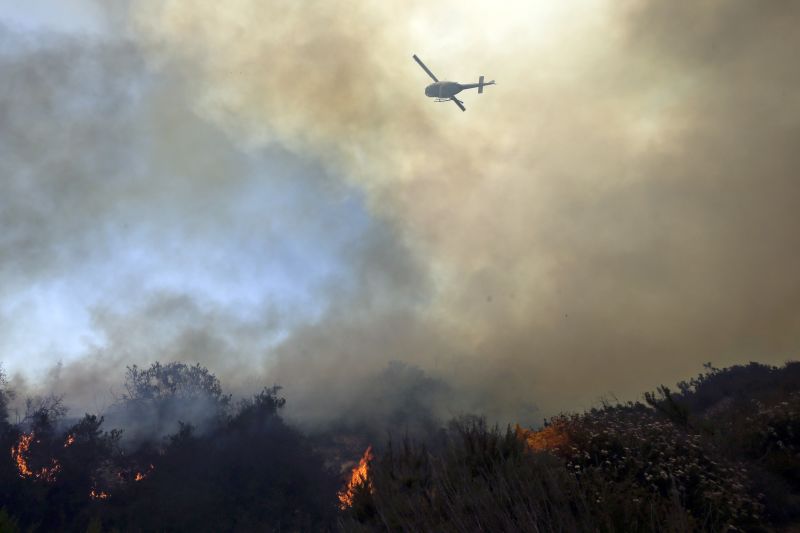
474,477
359,480
710,458
247,470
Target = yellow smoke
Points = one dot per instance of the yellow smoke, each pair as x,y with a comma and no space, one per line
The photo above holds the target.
570,220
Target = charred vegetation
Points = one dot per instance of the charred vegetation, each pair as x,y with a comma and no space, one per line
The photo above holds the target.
722,451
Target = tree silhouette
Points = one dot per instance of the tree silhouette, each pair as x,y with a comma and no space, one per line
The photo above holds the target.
173,380
158,398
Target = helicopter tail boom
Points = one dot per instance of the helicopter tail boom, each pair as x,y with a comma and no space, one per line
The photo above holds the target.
480,85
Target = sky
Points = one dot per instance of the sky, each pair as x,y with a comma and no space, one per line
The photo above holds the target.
263,188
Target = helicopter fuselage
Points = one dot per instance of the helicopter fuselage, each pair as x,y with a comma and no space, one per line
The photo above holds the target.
443,89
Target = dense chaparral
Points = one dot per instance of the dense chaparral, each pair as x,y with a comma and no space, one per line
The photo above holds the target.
722,453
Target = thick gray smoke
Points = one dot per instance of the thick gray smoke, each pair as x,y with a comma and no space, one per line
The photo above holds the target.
619,209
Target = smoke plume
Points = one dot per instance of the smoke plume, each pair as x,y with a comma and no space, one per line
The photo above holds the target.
620,208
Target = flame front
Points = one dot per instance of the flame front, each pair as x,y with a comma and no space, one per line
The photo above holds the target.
70,440
18,453
547,438
98,495
358,477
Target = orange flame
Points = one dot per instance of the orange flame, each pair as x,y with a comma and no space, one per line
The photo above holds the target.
49,474
141,475
18,455
358,478
547,438
70,441
98,495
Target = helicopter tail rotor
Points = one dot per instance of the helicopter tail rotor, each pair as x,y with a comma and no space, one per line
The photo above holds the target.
481,84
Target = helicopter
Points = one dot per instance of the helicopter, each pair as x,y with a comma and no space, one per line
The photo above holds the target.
444,91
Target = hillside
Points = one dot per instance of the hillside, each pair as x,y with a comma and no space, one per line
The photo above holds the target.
719,453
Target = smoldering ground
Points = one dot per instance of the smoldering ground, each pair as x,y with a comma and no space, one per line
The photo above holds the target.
618,210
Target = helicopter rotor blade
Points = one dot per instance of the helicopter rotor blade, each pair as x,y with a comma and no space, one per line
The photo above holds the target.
421,64
459,103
